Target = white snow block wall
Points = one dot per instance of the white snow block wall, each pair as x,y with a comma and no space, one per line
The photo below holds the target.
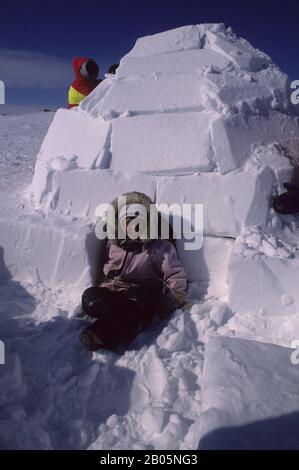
193,115
250,397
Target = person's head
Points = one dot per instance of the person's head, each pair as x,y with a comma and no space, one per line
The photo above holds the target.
89,70
132,213
133,220
126,222
112,69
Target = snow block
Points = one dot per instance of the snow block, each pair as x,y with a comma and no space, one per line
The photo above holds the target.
234,137
263,284
56,252
279,159
153,94
230,202
163,143
78,192
94,99
250,397
174,63
73,140
186,37
207,265
178,39
239,52
236,90
73,134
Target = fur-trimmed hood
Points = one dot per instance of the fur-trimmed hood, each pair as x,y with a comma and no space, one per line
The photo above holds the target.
133,197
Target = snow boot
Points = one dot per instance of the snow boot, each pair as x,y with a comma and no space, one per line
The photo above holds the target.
288,202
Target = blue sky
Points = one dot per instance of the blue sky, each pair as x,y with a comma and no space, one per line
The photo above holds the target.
39,39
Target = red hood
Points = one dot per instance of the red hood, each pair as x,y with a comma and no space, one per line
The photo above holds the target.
77,63
81,84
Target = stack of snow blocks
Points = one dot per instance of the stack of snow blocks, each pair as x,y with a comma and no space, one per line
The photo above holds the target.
193,115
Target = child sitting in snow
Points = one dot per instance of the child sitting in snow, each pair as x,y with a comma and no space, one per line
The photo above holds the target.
143,277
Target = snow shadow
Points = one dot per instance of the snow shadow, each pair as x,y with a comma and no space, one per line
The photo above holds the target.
54,393
16,303
295,176
148,336
193,260
95,250
280,433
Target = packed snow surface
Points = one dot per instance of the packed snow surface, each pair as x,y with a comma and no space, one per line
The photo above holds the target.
193,115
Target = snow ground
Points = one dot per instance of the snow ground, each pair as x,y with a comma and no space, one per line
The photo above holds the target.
20,140
59,396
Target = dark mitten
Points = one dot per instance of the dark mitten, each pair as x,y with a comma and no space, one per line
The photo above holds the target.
168,304
287,203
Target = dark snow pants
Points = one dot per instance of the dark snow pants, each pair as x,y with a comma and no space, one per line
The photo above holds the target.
120,314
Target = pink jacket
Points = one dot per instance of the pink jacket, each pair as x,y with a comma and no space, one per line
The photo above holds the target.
151,263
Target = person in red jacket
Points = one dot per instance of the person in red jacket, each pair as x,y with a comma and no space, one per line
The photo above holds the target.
86,72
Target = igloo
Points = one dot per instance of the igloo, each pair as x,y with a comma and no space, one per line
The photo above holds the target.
193,115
